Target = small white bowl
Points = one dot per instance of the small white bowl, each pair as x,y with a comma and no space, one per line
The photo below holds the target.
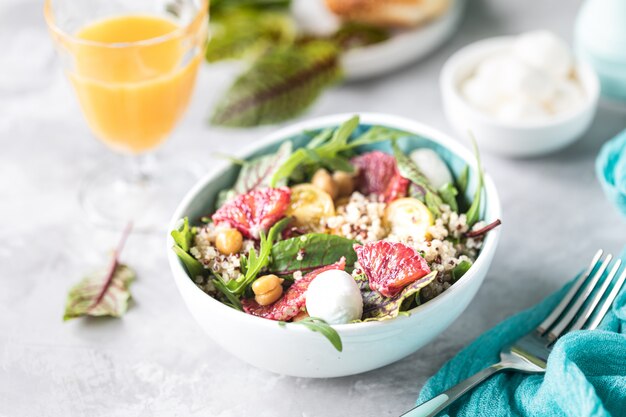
295,350
512,139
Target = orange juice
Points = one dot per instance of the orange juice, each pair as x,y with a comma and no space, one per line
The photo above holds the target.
133,77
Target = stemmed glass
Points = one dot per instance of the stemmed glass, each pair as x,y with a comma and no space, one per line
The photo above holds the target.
133,65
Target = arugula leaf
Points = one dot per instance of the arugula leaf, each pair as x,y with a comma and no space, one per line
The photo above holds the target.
463,179
183,237
377,134
321,326
461,269
320,151
279,85
448,193
242,32
378,307
218,5
254,263
473,213
231,300
408,169
320,138
193,266
258,172
314,250
103,294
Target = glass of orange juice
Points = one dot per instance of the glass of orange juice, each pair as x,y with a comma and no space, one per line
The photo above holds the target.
133,65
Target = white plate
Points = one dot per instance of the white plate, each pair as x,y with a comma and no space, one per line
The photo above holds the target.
403,47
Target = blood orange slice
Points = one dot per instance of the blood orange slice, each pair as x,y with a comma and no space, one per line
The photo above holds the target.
390,266
255,211
378,174
293,300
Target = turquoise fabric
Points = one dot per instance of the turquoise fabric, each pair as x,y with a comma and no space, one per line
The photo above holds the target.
586,373
611,170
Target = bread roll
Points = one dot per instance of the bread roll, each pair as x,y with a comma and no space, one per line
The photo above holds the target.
388,13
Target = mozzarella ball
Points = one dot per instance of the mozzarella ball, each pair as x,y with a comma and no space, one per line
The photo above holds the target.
545,51
432,166
334,297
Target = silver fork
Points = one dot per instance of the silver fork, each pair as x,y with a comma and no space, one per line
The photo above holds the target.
577,310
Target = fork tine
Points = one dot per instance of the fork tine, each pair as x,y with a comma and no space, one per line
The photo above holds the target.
595,322
588,311
558,310
562,323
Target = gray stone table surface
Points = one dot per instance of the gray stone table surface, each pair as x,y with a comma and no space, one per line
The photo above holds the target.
156,361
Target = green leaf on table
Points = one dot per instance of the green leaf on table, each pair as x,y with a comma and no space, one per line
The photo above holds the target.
309,252
279,85
258,172
409,170
105,293
247,33
353,35
473,213
320,326
379,307
101,294
448,193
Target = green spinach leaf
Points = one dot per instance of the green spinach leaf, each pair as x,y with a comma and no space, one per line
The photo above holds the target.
318,325
308,252
448,194
258,172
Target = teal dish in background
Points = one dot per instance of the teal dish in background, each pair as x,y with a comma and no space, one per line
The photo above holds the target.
611,170
600,40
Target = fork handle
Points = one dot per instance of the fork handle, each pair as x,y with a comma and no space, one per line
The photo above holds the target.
435,405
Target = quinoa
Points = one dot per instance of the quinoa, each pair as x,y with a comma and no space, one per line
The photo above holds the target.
443,247
359,219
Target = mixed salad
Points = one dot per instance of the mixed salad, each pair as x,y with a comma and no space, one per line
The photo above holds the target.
328,234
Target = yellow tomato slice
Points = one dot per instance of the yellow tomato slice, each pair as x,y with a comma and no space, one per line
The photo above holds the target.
408,217
309,205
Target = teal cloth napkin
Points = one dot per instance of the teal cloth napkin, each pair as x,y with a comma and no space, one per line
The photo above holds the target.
611,170
586,373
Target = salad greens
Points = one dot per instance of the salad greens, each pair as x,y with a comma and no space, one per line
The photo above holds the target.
308,252
183,237
253,263
379,307
473,213
409,170
332,150
287,69
283,256
318,325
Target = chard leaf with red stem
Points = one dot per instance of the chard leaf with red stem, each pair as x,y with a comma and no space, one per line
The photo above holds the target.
103,294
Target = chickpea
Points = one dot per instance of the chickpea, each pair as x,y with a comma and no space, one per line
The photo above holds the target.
324,181
228,241
344,182
267,289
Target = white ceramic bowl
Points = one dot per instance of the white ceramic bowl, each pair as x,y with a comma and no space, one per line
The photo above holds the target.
297,351
511,139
